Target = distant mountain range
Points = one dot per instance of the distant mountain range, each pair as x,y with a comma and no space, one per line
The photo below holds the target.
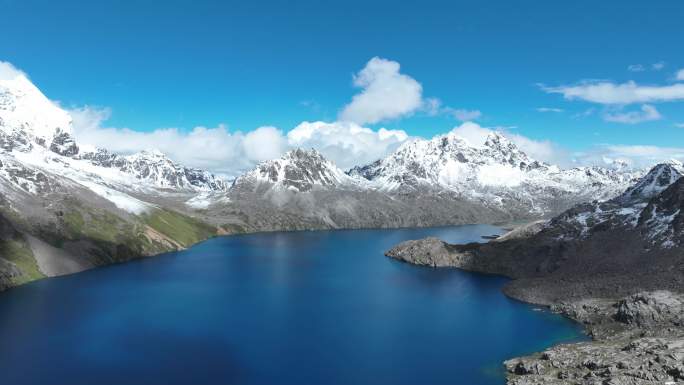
65,207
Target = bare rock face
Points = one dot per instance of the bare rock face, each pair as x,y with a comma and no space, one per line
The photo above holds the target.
651,309
64,144
639,362
428,252
645,347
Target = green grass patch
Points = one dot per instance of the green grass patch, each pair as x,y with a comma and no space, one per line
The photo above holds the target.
98,225
181,228
19,253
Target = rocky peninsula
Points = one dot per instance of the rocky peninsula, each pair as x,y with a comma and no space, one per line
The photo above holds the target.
617,267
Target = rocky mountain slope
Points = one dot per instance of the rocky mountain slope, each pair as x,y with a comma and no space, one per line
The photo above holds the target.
616,266
64,209
303,190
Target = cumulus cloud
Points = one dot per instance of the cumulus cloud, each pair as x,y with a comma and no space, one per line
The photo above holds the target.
231,153
386,94
543,150
625,93
347,144
9,72
474,134
264,143
549,109
647,113
215,149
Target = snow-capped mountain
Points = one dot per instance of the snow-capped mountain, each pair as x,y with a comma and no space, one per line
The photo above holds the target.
38,133
651,207
658,179
155,168
27,117
496,171
298,170
64,209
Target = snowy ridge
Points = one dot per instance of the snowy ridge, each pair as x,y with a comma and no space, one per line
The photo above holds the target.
496,171
38,155
37,133
657,180
25,110
449,161
156,169
652,205
298,170
663,220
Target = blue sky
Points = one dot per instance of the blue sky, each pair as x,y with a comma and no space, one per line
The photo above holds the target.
249,64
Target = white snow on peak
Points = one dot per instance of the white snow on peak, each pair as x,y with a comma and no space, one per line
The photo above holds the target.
451,162
298,170
32,124
653,183
24,108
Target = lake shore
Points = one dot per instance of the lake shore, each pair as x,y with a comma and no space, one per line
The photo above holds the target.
637,338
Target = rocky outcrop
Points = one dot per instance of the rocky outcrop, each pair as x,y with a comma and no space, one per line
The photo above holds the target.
64,144
649,310
638,340
426,252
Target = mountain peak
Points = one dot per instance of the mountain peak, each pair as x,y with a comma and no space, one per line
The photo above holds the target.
498,141
496,137
659,178
298,170
25,111
302,154
149,155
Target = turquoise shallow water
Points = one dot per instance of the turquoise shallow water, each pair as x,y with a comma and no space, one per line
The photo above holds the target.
282,308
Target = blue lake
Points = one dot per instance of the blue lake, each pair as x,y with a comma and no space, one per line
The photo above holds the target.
282,308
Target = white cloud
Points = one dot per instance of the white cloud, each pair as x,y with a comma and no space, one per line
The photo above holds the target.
626,93
680,74
473,133
465,115
641,68
583,114
387,94
264,143
432,106
549,109
9,72
640,156
636,68
345,143
215,149
646,114
231,153
543,150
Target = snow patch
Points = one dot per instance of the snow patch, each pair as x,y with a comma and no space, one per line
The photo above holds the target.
499,175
